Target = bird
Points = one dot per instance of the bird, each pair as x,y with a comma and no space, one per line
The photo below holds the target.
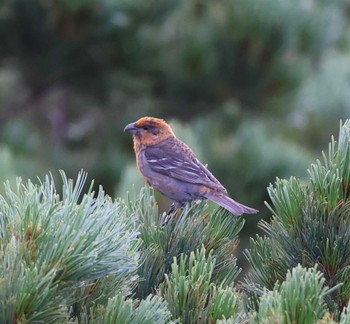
170,166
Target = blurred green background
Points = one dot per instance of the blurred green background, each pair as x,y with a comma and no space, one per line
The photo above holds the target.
255,87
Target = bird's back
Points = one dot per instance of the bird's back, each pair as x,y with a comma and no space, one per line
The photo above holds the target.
173,158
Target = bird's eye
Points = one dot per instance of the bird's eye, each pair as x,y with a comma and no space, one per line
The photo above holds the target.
146,127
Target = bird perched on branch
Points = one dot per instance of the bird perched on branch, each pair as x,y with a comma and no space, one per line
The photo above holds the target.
170,166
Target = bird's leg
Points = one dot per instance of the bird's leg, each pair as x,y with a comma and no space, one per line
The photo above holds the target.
172,210
167,216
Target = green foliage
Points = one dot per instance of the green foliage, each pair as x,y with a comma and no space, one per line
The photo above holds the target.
310,225
187,289
224,304
76,257
27,294
120,310
55,252
238,73
192,295
186,232
299,299
69,69
69,256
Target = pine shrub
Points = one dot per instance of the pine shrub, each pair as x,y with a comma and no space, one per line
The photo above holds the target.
309,227
77,256
62,255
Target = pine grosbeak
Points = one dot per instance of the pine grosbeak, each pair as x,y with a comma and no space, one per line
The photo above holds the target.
170,166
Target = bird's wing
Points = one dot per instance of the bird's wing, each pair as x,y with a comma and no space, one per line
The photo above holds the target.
175,159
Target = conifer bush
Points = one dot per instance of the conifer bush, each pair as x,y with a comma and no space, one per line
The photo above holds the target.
71,255
192,294
119,310
187,231
62,255
310,226
298,299
83,258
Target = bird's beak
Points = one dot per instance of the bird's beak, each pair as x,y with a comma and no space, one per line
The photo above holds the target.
130,128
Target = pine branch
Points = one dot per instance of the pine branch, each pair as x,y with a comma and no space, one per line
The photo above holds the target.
299,299
187,231
55,252
152,310
191,293
310,226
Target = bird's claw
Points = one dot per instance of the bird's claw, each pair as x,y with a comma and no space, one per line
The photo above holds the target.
172,210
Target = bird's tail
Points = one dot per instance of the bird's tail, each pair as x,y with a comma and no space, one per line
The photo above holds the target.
231,205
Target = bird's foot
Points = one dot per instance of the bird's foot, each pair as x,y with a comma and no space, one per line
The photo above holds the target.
172,210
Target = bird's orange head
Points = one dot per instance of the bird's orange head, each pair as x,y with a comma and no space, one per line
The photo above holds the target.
149,131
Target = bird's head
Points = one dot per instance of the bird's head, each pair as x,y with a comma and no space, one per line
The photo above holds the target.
149,130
